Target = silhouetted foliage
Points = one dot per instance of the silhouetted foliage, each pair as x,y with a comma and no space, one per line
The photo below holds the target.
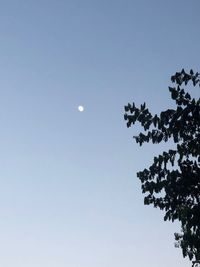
172,182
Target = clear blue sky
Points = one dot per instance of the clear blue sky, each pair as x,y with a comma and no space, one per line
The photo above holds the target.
69,196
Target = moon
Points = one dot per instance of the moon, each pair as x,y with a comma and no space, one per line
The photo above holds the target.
81,108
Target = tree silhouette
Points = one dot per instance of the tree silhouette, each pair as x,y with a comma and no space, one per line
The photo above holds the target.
172,182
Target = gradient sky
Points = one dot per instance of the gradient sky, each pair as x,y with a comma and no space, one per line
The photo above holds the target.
69,195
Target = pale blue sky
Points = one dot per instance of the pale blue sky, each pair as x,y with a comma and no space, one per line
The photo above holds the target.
69,196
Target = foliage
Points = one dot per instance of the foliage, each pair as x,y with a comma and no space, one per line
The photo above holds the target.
172,182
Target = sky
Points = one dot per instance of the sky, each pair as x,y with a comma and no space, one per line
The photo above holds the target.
69,195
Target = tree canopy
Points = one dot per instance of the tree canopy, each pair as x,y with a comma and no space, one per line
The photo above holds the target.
172,182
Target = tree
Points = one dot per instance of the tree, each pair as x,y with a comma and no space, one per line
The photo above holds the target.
172,182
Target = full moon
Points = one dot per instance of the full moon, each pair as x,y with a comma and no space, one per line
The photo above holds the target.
81,108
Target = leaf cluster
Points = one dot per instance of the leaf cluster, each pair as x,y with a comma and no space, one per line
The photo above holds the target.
172,182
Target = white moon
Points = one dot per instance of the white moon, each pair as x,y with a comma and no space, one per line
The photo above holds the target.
81,108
